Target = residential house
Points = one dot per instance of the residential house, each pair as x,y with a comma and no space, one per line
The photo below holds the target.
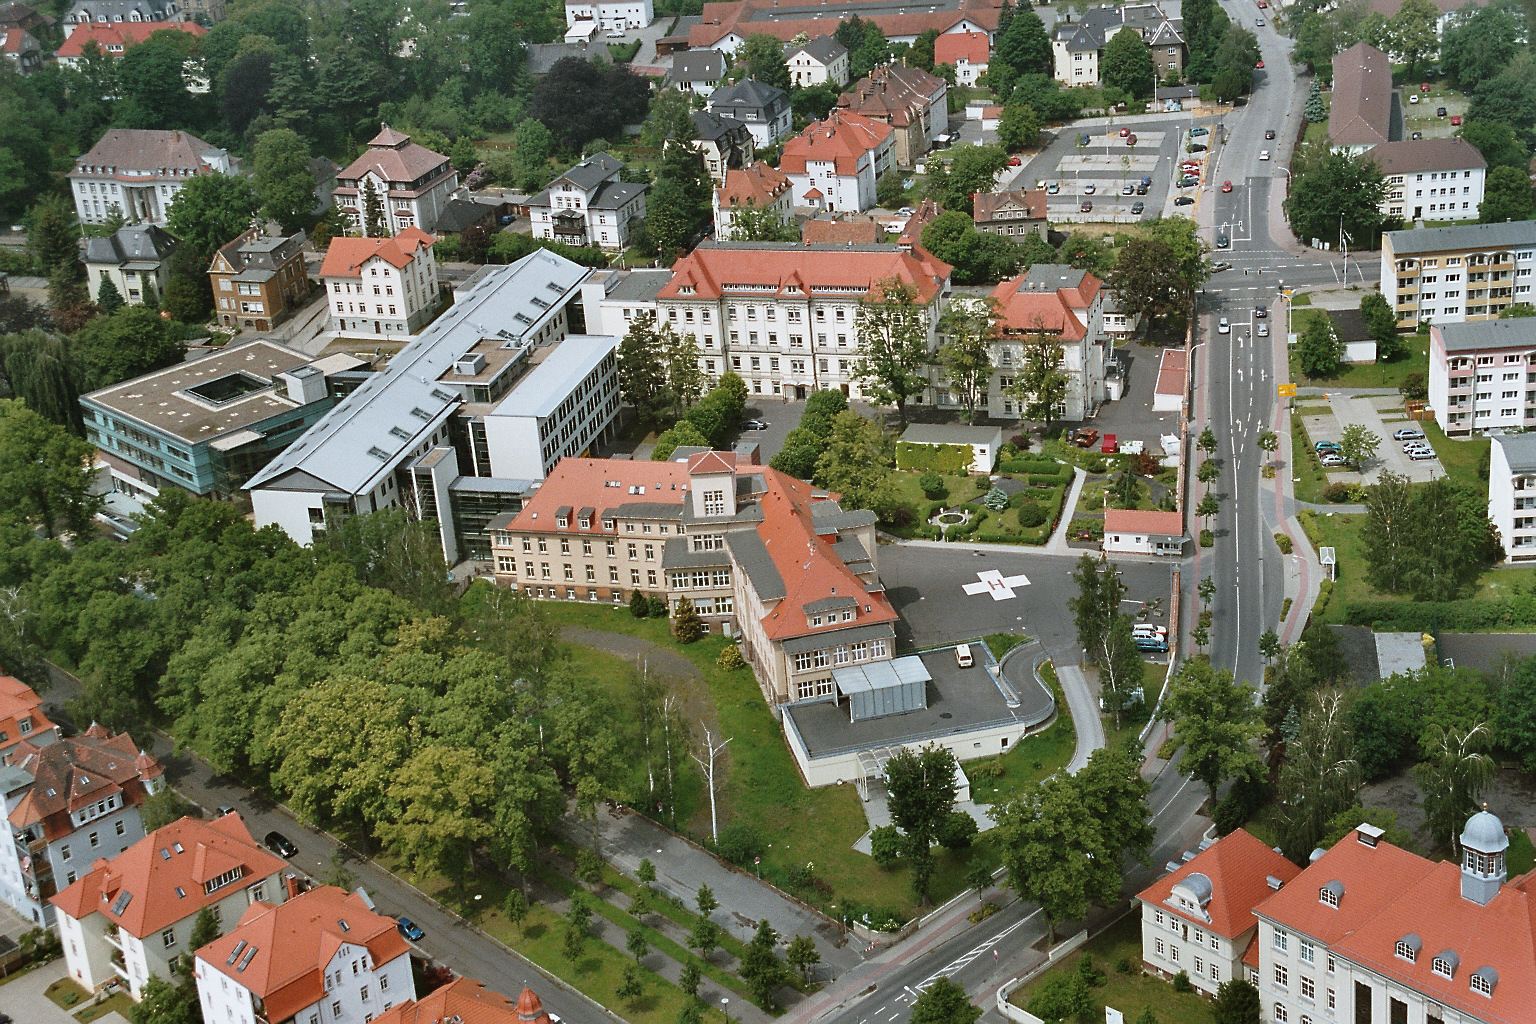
469,1002
18,15
911,232
910,100
759,554
1371,932
726,24
697,71
724,142
1132,532
1164,36
116,38
206,12
784,315
610,15
1434,179
1462,272
22,719
381,287
108,12
1480,373
1447,10
408,182
1065,304
137,172
207,425
1198,919
21,50
136,259
1512,493
835,164
763,108
1078,47
966,52
847,228
326,955
1015,212
502,384
589,205
758,186
819,61
129,916
1365,111
258,279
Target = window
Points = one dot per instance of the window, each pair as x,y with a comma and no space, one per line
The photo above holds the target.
1282,976
1308,952
64,852
121,829
1158,945
1328,896
1215,973
1158,917
1199,966
363,991
1173,953
95,839
1406,950
168,937
1281,1014
714,503
1481,983
1308,989
1443,967
1280,940
383,983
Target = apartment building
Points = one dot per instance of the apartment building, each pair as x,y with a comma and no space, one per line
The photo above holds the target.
761,556
22,719
784,315
835,164
1198,918
758,186
1077,48
325,957
259,279
724,143
1431,179
131,916
1375,934
1065,304
1512,494
411,184
913,103
1453,274
464,418
763,108
68,801
138,173
1482,376
381,287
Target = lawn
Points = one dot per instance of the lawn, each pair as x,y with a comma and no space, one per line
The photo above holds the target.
65,993
960,489
1032,759
1306,472
119,1002
1129,991
762,786
1342,532
1362,375
1465,458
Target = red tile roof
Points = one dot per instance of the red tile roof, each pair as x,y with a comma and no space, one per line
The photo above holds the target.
295,942
121,34
17,703
1171,377
758,185
716,270
1060,311
1372,878
926,213
1162,524
1237,865
721,19
974,47
862,230
137,889
391,156
73,773
842,139
345,256
601,484
467,1000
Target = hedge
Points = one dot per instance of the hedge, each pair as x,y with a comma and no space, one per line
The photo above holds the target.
942,458
1470,615
1045,480
1044,467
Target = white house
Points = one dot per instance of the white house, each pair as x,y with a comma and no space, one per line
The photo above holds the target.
1431,179
136,259
763,108
610,15
138,172
130,917
834,164
697,71
1478,375
1069,305
589,205
325,956
67,802
381,287
1512,494
983,442
1133,532
411,184
820,61
966,52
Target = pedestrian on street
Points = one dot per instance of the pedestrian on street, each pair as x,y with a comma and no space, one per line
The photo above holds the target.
994,956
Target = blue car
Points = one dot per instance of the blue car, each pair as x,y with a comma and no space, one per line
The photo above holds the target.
410,929
1152,644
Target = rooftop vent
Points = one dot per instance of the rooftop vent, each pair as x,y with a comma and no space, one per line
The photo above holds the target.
1273,882
1369,835
165,854
181,893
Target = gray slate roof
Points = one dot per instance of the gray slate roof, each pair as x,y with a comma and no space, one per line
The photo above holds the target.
637,285
751,554
1519,451
1465,236
698,66
592,171
823,49
746,98
150,244
1515,333
612,195
712,126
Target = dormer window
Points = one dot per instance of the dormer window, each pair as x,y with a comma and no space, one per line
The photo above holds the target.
1483,981
1407,948
1445,964
1331,894
562,522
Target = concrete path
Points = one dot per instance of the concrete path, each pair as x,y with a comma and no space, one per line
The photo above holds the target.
1083,703
1057,545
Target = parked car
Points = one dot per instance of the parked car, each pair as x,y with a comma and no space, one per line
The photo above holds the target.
1188,182
1259,22
755,425
1082,139
1417,136
1217,268
1083,437
1086,206
1407,434
1142,190
1146,179
1053,188
1197,147
1124,132
1260,65
1261,312
1015,161
409,929
1263,154
1148,629
1423,455
1223,326
1439,111
280,844
1331,460
1184,201
224,809
1416,446
1138,208
1090,188
1327,446
1127,190
1151,645
1263,330
1455,119
1413,98
1262,4
1269,133
1199,130
1226,186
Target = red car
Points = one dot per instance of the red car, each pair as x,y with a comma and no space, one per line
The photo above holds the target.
1456,119
1262,4
1015,161
1423,87
1260,65
1124,132
1226,186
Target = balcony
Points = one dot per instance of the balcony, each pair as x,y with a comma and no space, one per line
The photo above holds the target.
114,938
119,965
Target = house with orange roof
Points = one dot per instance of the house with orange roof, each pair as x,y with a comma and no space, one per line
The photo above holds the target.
470,1002
1369,932
68,801
381,287
1138,532
22,719
834,164
912,102
116,38
783,314
1069,306
760,187
967,52
325,956
411,184
726,24
1198,918
130,916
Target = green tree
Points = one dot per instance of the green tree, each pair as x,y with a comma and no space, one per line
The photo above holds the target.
1320,776
1023,49
393,550
1381,321
515,908
151,75
642,372
1453,775
892,332
129,343
164,1003
922,793
979,877
637,942
1208,508
1351,818
1018,128
1315,111
531,147
1509,96
705,900
1357,445
886,845
1127,65
1099,590
1506,196
1041,386
1236,1002
1319,350
680,198
760,966
1497,141
753,223
1120,667
1338,201
45,474
856,463
52,237
1269,645
688,980
205,928
944,1002
685,378
1391,539
631,984
374,222
443,795
283,178
1147,278
1414,31
165,807
763,57
1479,43
686,624
210,211
802,954
969,330
872,52
1215,720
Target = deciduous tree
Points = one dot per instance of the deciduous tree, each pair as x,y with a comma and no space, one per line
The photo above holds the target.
1338,201
856,462
1319,350
1357,445
763,57
210,211
1320,776
45,475
922,793
1215,720
892,331
1453,775
283,178
1506,196
944,1002
1127,64
969,329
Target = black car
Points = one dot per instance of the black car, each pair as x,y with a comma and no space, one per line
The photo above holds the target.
1197,147
1269,134
280,845
1138,207
1439,111
1184,201
1261,311
1222,241
1142,190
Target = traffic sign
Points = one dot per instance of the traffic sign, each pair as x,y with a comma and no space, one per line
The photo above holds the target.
1287,390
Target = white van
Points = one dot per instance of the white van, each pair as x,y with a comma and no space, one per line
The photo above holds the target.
963,656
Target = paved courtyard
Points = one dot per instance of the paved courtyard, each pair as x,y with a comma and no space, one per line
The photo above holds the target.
1381,415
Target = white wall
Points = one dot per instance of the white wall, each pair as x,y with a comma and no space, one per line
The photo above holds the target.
829,771
288,510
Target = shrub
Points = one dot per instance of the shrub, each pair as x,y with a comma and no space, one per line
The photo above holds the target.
1046,480
1089,971
996,499
1338,493
932,484
1283,542
730,659
1207,538
885,845
957,831
983,912
988,768
1095,464
1124,965
944,458
658,606
1062,996
1181,982
639,607
740,842
1020,442
1032,515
